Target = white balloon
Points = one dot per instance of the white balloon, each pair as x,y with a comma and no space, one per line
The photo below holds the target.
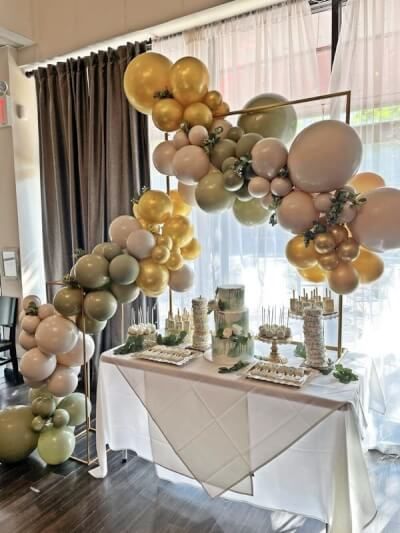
27,341
121,227
56,334
140,243
181,280
63,381
31,299
37,366
30,323
46,310
258,187
75,356
188,193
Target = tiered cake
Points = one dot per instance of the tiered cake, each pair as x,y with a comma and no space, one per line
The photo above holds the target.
231,340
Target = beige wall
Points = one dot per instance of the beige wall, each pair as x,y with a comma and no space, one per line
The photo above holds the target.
59,26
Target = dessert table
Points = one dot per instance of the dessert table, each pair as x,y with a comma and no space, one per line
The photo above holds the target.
277,447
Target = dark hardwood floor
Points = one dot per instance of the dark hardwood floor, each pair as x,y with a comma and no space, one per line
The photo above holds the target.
35,498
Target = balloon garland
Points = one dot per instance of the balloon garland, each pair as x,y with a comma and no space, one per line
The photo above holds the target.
311,189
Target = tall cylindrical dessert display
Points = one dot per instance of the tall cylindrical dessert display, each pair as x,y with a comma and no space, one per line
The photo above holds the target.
201,334
314,337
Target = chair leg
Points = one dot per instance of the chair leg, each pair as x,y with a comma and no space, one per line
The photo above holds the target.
14,361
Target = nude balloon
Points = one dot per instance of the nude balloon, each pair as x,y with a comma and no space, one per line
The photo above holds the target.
197,135
180,139
46,310
37,366
163,156
268,156
296,212
190,164
324,156
121,227
181,280
258,187
63,381
30,323
75,356
26,340
56,334
140,244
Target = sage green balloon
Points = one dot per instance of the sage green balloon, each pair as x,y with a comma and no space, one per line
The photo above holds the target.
55,445
229,163
232,181
44,406
280,123
221,151
246,143
125,293
36,393
235,133
60,418
92,327
250,213
124,269
91,271
68,301
108,250
100,305
243,194
38,424
98,249
17,439
211,195
74,404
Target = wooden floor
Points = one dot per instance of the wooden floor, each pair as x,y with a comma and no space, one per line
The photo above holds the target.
39,499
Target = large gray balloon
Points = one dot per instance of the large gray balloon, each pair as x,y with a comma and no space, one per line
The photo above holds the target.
324,156
280,123
211,195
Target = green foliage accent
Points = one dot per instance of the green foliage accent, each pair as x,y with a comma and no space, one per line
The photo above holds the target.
32,310
77,254
171,340
160,95
276,202
243,167
340,199
133,344
310,234
213,138
234,368
300,351
344,375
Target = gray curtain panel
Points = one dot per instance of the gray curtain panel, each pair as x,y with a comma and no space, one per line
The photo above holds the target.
94,159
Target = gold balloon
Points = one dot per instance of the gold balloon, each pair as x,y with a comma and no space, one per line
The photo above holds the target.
314,274
167,114
339,233
135,210
221,110
175,261
146,75
198,114
155,207
328,261
300,255
164,240
153,278
324,243
366,181
192,250
188,80
348,250
344,279
160,254
213,99
179,206
179,229
369,266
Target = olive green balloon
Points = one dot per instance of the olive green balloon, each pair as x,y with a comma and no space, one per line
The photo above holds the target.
232,181
125,293
43,406
235,133
91,271
68,301
221,151
55,445
100,305
211,195
246,143
280,123
243,194
74,404
229,163
36,393
98,249
60,418
108,250
250,213
92,327
17,439
38,424
124,269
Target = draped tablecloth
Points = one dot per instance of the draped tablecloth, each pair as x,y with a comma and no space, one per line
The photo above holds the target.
297,450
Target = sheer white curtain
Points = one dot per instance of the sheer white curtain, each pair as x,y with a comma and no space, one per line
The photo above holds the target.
266,51
367,62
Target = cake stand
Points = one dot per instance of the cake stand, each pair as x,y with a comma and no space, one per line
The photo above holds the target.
274,356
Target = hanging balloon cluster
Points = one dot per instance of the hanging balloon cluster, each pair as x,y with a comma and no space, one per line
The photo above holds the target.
340,218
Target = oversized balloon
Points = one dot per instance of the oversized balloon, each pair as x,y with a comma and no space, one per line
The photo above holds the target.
75,357
198,114
153,278
188,194
36,365
211,195
280,123
68,301
140,243
300,255
56,444
100,305
17,439
314,274
324,156
90,326
124,269
250,213
192,250
56,334
378,220
163,156
91,271
63,381
167,114
121,227
343,279
179,206
268,157
74,404
190,164
181,280
125,293
366,181
179,229
155,207
146,75
188,79
297,212
369,266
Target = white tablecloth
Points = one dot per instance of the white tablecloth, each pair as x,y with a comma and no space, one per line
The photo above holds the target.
302,446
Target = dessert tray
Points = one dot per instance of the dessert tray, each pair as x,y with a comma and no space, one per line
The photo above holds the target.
172,355
278,373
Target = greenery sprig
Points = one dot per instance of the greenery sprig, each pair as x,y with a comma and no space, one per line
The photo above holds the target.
243,167
133,344
344,375
310,234
171,340
77,254
70,281
340,199
161,95
213,138
32,309
234,368
276,202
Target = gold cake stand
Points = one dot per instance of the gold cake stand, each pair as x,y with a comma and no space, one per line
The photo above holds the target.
274,355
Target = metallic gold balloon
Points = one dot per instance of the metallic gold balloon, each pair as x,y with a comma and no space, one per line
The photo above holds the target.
328,261
188,79
165,240
366,181
153,278
192,250
348,250
300,255
167,114
369,266
160,254
344,279
179,229
339,233
146,75
175,261
198,114
314,274
155,207
221,110
324,243
179,206
213,99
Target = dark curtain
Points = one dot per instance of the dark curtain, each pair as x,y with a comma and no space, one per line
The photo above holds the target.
93,156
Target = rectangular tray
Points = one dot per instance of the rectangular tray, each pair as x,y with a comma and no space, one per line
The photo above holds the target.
258,372
168,355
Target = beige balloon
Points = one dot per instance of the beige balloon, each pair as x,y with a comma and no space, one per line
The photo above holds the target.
56,334
258,187
163,156
75,356
30,323
323,202
281,186
181,280
121,227
62,382
268,157
46,310
27,341
343,279
37,366
180,139
140,244
190,164
296,212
